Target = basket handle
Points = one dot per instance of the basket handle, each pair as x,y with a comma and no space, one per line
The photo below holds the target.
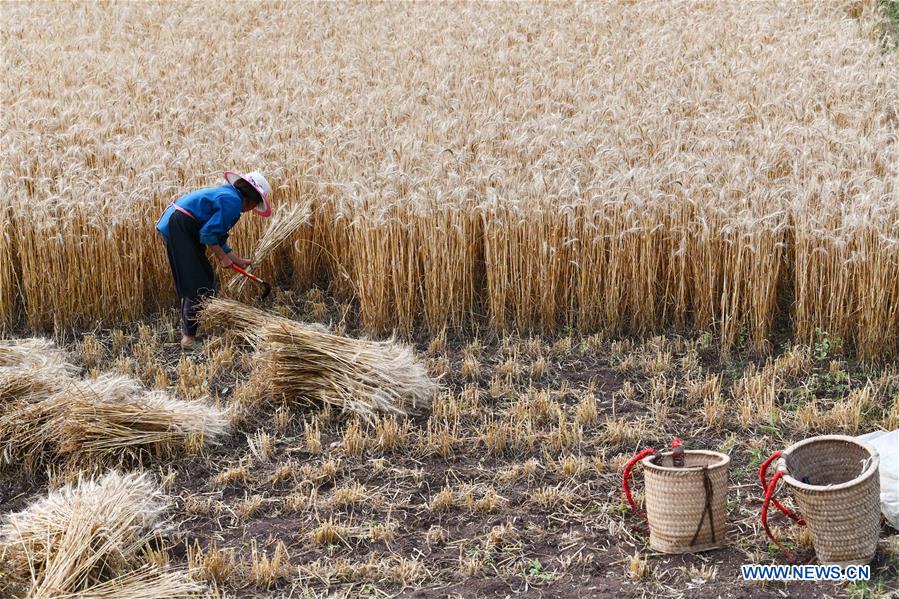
769,492
627,474
763,476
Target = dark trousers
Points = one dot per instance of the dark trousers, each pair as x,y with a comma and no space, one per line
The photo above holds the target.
190,309
191,270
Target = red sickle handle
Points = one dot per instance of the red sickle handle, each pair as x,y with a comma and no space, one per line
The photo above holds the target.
763,475
247,274
626,474
266,287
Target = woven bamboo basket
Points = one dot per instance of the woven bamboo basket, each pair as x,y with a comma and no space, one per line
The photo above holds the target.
686,507
836,483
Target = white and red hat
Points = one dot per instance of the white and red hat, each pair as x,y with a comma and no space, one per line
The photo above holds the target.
260,184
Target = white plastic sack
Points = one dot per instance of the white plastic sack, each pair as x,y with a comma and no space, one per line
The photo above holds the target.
887,445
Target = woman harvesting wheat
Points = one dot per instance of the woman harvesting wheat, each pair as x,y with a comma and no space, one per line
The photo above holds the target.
202,219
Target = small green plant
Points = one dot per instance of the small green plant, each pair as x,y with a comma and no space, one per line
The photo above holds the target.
728,445
775,432
836,383
734,369
890,25
742,337
865,589
370,590
822,344
825,345
774,551
620,509
537,571
757,455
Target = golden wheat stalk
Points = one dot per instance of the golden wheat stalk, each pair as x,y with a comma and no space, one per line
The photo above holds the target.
8,280
281,228
605,202
101,420
31,369
114,414
87,538
34,352
145,583
305,362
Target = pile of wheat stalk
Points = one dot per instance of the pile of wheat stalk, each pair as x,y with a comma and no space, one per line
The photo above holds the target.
620,166
46,413
305,363
89,540
30,369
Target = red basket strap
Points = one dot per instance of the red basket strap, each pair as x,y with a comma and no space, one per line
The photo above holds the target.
763,475
769,492
626,474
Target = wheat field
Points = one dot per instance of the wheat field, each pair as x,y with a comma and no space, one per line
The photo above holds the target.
513,245
620,167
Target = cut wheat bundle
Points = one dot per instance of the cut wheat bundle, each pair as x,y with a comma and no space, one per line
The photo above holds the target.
35,355
145,583
92,421
365,377
86,540
285,222
305,362
28,384
249,323
113,414
26,431
31,370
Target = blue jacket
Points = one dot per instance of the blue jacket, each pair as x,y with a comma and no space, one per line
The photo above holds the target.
217,209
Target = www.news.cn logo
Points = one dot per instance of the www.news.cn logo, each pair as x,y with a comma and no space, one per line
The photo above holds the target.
780,572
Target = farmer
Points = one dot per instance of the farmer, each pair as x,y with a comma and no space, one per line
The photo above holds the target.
202,219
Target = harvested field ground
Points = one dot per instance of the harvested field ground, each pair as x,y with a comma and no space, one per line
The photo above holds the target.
510,485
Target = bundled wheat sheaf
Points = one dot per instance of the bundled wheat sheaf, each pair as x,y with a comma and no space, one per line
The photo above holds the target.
31,369
610,166
304,362
45,411
87,540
